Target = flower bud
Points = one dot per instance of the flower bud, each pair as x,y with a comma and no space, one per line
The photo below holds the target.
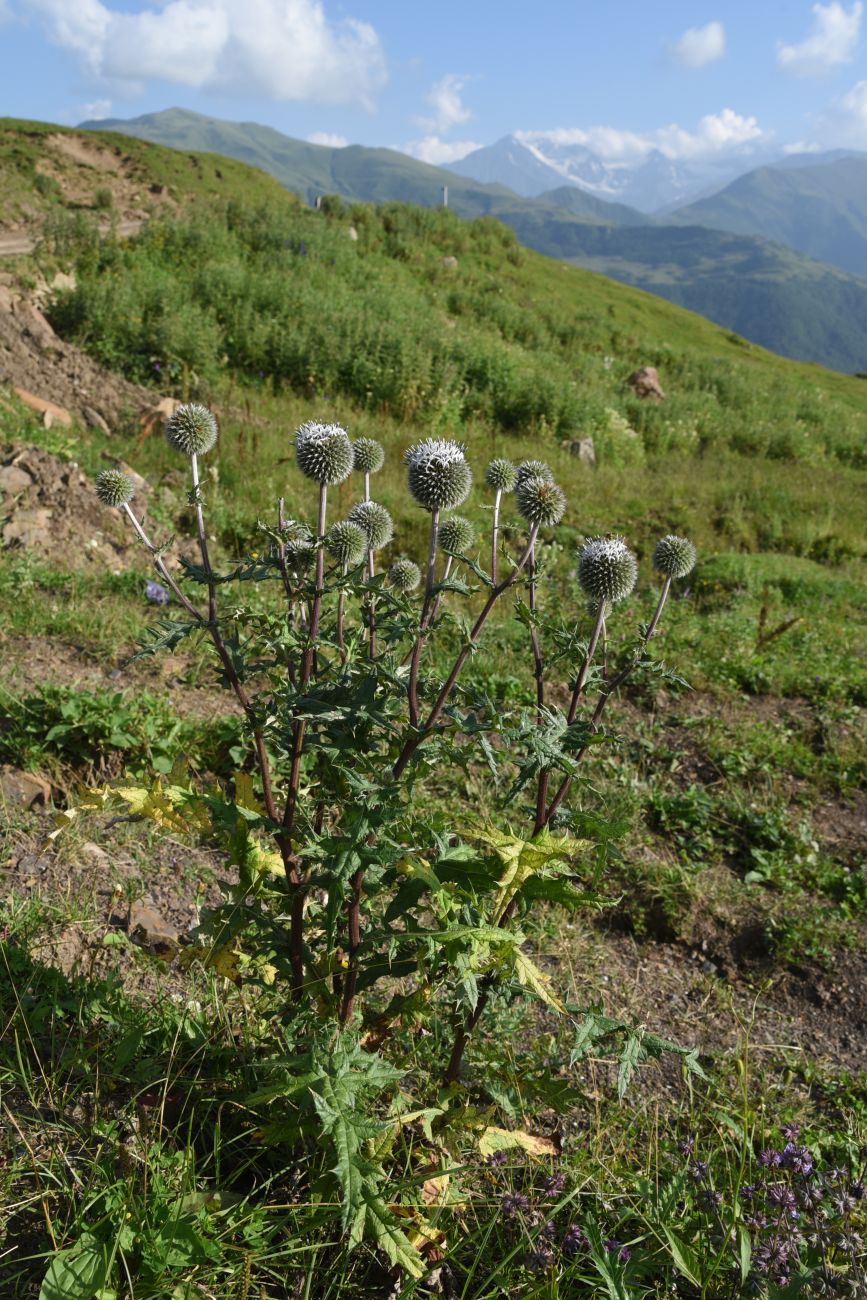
192,430
404,575
114,488
438,474
533,469
500,475
674,557
345,542
368,455
456,534
540,501
323,452
297,539
375,522
607,569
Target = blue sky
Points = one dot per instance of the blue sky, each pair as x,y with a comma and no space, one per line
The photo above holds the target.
696,80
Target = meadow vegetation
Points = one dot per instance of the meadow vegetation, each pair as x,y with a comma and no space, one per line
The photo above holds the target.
183,1142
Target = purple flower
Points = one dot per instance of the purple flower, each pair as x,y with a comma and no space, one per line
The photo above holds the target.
554,1185
574,1241
783,1198
797,1158
513,1204
698,1170
857,1190
687,1146
771,1159
496,1159
611,1247
156,594
748,1191
791,1132
540,1259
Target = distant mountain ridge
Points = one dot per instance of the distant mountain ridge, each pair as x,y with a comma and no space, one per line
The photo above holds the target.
771,295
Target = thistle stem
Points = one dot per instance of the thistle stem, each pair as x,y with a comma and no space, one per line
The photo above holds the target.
354,940
538,671
495,535
412,743
412,688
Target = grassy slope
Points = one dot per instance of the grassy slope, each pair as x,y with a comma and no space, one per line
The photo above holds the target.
762,290
821,210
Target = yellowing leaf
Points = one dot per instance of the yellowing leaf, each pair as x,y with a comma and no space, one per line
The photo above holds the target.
502,1139
522,859
531,977
245,795
434,1191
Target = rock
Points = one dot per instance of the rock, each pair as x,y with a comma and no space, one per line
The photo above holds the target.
13,480
583,448
645,383
162,410
63,282
22,789
94,420
353,234
450,263
29,528
56,414
149,929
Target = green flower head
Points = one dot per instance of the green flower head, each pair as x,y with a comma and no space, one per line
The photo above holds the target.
323,452
607,569
438,474
374,521
345,542
114,488
404,575
368,455
533,469
456,534
500,475
192,430
674,557
540,501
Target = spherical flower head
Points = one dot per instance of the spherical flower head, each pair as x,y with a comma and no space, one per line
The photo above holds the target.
297,539
323,452
345,542
438,473
533,469
607,569
674,557
368,455
375,522
456,534
404,575
114,488
500,475
192,430
540,501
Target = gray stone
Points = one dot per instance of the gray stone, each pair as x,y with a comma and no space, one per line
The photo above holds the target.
94,420
22,789
645,383
14,480
149,929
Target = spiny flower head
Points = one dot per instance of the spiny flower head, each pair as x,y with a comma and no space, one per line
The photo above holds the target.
674,557
607,569
345,542
297,539
533,469
323,452
374,521
540,501
192,429
368,455
114,488
500,475
456,534
404,575
438,474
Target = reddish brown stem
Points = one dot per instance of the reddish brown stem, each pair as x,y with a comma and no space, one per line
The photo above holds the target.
350,984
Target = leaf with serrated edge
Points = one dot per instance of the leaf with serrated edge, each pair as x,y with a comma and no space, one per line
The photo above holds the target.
503,1139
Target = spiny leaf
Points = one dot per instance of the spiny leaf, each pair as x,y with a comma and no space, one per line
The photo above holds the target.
502,1139
531,977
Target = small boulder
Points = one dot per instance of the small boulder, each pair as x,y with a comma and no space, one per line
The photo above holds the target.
13,480
50,413
30,528
94,420
149,929
585,451
645,383
353,234
450,263
22,789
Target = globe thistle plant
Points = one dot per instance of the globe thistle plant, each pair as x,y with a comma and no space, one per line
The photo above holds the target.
368,455
607,569
192,430
374,521
674,557
438,474
404,575
456,534
345,542
114,488
323,452
500,475
540,501
296,537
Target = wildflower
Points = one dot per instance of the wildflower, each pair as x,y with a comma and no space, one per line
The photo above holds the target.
297,538
405,575
783,1198
796,1158
574,1241
345,542
374,521
114,488
688,1145
607,569
456,534
554,1185
368,455
500,475
323,452
533,469
770,1159
192,430
623,1252
674,557
698,1170
156,594
497,1158
438,474
791,1132
513,1204
540,501
540,1259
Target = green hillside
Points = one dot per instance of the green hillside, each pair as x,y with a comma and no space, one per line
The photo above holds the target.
819,210
768,293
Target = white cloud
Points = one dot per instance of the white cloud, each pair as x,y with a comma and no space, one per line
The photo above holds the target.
832,42
716,133
449,110
95,111
801,146
435,151
329,139
284,49
844,124
701,45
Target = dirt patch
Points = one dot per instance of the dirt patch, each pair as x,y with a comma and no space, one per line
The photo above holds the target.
71,160
34,358
86,152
